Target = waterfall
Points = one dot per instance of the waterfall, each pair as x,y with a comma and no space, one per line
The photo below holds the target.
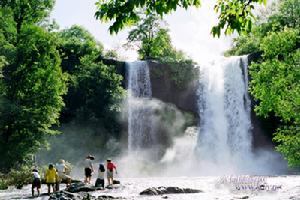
224,138
139,91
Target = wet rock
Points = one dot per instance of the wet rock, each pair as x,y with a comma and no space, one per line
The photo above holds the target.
168,190
64,195
107,197
294,198
243,197
80,187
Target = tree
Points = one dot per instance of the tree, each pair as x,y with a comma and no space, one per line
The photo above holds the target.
143,35
75,43
94,91
100,94
27,11
33,99
275,84
32,82
275,76
233,14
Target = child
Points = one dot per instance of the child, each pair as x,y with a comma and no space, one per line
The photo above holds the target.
100,179
36,183
110,172
50,177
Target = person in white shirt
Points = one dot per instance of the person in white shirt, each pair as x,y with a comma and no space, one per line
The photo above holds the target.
62,169
88,169
36,183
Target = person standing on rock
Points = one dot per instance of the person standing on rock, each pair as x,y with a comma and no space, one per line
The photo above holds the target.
36,183
88,169
62,169
110,171
51,178
100,179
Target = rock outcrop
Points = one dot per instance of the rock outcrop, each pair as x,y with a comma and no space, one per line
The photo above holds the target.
80,187
168,190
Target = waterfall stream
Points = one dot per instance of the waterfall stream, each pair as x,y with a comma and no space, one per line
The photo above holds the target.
224,106
139,90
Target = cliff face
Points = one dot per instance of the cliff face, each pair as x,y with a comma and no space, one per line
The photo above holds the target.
184,97
165,87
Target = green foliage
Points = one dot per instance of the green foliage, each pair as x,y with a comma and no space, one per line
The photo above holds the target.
111,54
34,85
275,76
17,177
100,91
233,15
285,14
155,43
288,139
3,183
29,11
74,43
144,34
20,176
95,91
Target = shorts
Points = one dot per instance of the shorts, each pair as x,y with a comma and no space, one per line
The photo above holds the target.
88,172
36,183
110,174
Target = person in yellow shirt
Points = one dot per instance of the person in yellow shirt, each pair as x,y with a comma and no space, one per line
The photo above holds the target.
50,177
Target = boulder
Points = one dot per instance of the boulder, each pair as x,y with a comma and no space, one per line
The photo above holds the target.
107,197
80,187
168,190
64,195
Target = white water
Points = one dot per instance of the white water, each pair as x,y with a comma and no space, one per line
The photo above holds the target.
130,188
139,90
225,138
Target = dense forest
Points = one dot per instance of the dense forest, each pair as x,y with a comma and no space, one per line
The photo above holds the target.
49,77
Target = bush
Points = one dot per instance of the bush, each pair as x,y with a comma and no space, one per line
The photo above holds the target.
3,184
19,177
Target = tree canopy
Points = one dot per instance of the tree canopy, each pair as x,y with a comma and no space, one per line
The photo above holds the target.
94,89
233,14
32,83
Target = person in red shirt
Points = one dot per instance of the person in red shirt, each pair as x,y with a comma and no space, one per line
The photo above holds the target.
110,171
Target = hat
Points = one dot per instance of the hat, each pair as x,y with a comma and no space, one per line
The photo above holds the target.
90,157
61,161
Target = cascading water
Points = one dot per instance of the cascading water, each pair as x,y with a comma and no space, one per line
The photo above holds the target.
139,91
225,138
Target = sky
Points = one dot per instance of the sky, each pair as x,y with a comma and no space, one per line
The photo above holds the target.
189,29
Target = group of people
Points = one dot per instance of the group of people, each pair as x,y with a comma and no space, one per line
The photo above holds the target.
53,177
89,169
